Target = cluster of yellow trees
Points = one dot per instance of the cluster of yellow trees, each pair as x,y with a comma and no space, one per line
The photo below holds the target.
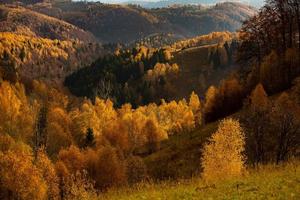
61,147
58,147
40,57
212,38
161,69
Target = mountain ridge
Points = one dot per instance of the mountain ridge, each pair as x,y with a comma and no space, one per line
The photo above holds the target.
24,21
107,21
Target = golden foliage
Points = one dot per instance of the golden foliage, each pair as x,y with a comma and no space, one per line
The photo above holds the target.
73,159
58,130
118,132
47,169
103,165
125,126
17,117
153,134
195,105
19,177
214,37
79,187
223,155
161,69
106,167
37,57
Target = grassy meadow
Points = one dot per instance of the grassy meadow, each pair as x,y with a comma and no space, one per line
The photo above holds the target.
265,182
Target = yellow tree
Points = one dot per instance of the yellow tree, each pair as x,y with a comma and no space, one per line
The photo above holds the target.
105,113
82,119
117,135
73,159
58,130
106,167
132,123
223,155
48,172
154,134
16,117
195,105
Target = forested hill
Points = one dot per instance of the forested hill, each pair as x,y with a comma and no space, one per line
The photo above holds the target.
168,3
24,21
241,109
144,75
121,23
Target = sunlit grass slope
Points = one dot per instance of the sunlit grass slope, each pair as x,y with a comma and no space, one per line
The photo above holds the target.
267,182
179,156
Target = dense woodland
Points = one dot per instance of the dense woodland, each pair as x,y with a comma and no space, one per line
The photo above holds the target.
118,111
46,59
144,75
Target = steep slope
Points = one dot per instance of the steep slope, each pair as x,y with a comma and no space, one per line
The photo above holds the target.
27,22
203,61
179,156
125,24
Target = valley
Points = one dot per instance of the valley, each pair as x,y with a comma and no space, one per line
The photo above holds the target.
124,24
149,100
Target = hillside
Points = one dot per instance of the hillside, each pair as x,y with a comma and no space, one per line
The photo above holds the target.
24,21
109,23
179,156
191,21
167,3
278,182
145,75
160,111
203,61
125,24
46,59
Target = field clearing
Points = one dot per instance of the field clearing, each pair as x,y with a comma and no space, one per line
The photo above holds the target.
266,182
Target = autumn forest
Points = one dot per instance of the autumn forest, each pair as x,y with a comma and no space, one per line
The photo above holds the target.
108,101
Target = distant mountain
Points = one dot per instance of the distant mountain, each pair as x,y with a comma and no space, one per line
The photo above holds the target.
24,21
128,23
37,46
168,3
